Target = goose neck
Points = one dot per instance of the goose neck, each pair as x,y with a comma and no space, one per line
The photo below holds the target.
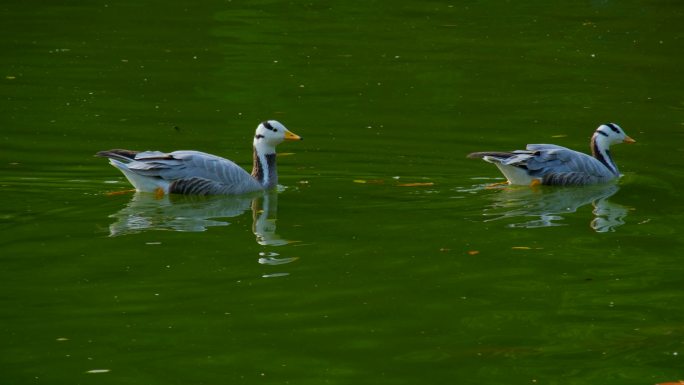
600,151
264,168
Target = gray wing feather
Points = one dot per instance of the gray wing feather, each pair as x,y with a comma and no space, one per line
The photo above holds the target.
561,166
213,174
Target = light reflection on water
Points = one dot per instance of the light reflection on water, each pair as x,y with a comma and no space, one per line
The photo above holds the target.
146,212
545,207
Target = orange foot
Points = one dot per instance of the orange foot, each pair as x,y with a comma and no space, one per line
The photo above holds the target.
159,193
535,183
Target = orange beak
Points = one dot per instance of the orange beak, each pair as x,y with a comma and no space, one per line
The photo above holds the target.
289,135
628,140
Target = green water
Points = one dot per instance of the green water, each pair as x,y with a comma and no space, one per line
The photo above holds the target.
382,258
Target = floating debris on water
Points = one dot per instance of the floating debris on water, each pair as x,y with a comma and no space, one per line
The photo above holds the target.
369,181
417,184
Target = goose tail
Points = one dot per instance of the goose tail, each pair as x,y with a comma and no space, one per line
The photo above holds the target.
119,154
489,155
141,183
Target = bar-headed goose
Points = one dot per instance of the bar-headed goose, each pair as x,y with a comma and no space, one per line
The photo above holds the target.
549,164
194,172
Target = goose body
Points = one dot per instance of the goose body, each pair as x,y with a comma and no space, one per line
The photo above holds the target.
550,164
195,172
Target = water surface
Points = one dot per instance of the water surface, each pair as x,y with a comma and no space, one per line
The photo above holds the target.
384,256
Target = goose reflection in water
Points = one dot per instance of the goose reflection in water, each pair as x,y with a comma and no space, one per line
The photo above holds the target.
189,213
548,206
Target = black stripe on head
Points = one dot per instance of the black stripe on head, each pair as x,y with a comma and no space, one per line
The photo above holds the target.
614,127
601,132
258,136
268,126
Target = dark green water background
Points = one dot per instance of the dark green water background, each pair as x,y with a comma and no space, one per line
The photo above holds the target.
355,283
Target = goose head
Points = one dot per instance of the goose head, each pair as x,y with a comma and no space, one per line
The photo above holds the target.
271,133
604,136
610,133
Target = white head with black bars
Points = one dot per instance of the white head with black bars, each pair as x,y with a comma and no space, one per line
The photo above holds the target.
268,135
604,136
610,133
271,133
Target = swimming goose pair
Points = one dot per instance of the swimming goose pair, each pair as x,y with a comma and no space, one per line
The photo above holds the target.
549,164
194,172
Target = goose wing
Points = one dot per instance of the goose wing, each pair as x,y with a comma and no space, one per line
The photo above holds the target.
187,164
558,165
194,171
